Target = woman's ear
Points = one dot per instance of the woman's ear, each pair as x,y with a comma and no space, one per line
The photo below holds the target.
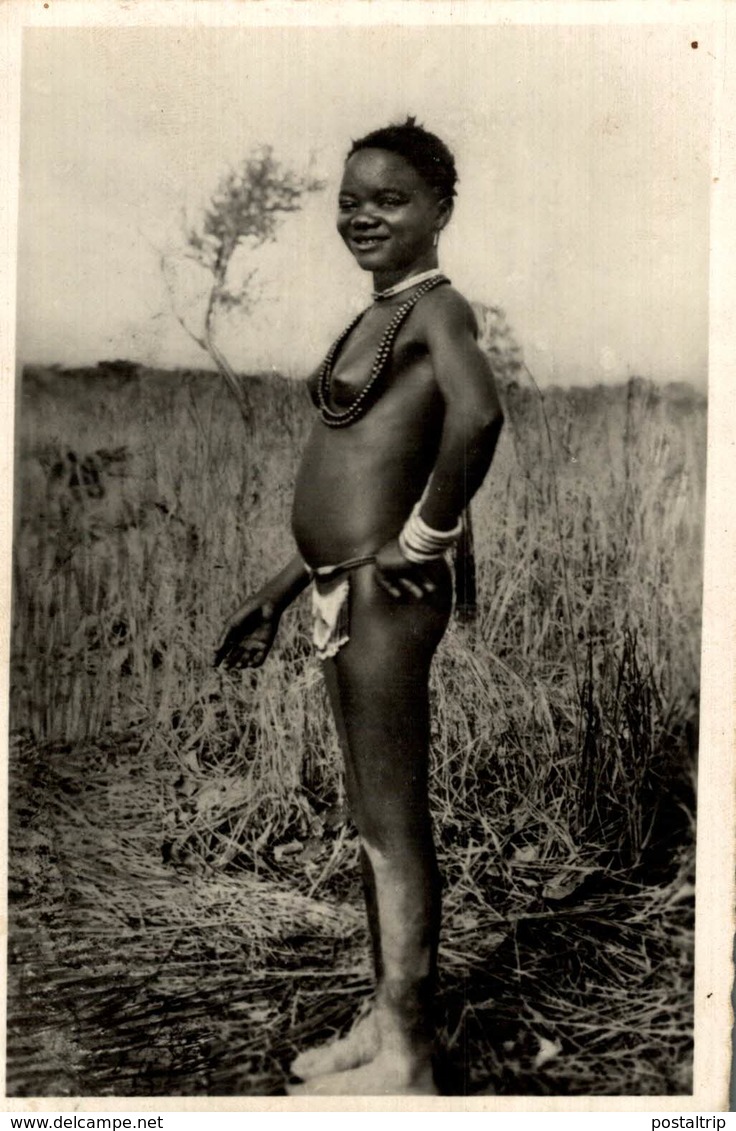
444,212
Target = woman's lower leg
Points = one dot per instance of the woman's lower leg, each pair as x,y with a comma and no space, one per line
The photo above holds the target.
371,907
408,898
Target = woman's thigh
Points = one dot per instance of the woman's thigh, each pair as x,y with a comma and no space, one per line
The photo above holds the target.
378,685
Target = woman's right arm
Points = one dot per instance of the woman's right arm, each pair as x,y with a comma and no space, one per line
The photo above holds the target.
249,634
286,586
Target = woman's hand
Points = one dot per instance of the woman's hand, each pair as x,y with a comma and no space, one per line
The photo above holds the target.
400,577
248,636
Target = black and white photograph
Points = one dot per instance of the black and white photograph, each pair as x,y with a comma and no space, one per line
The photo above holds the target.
358,527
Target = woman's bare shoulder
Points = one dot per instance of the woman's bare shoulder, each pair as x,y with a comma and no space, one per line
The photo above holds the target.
446,309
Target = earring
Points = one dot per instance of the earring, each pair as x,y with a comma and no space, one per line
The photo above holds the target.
436,238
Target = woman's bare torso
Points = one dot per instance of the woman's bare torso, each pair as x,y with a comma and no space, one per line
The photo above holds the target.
357,485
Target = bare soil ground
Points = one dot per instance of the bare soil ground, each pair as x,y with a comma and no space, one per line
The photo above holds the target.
132,977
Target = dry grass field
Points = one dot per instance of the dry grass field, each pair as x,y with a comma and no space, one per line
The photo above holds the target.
185,906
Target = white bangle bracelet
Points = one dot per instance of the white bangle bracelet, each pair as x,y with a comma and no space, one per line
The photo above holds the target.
419,542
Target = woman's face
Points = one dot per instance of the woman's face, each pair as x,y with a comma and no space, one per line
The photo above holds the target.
388,214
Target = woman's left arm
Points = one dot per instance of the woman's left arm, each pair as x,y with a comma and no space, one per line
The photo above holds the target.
470,430
473,416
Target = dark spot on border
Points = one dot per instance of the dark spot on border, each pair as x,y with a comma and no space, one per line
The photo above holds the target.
694,45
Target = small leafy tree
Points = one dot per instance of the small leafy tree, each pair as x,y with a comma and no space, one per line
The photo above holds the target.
244,211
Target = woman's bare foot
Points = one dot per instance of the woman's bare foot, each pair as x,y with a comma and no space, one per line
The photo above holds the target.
384,1076
359,1047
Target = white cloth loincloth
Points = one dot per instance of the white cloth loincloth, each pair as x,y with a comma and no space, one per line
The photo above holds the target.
331,605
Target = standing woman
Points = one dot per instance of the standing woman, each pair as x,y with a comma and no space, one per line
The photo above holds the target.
408,419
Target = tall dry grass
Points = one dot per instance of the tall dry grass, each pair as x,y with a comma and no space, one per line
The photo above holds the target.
564,717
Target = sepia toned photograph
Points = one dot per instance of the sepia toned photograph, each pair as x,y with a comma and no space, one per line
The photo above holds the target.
357,566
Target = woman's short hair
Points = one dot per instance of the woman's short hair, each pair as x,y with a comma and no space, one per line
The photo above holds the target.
430,157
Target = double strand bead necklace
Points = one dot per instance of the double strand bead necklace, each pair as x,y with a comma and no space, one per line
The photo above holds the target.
367,395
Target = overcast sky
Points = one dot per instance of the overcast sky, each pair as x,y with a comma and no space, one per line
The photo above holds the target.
583,155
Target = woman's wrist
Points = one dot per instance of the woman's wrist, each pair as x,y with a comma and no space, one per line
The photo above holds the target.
281,590
420,542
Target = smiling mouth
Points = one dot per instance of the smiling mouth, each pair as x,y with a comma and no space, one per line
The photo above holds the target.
366,243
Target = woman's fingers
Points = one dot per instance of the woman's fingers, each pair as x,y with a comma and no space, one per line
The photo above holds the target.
243,643
229,642
411,587
255,655
399,585
223,650
386,583
235,653
245,658
400,577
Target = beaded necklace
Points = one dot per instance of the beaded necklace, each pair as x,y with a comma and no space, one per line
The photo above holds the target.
367,395
412,281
